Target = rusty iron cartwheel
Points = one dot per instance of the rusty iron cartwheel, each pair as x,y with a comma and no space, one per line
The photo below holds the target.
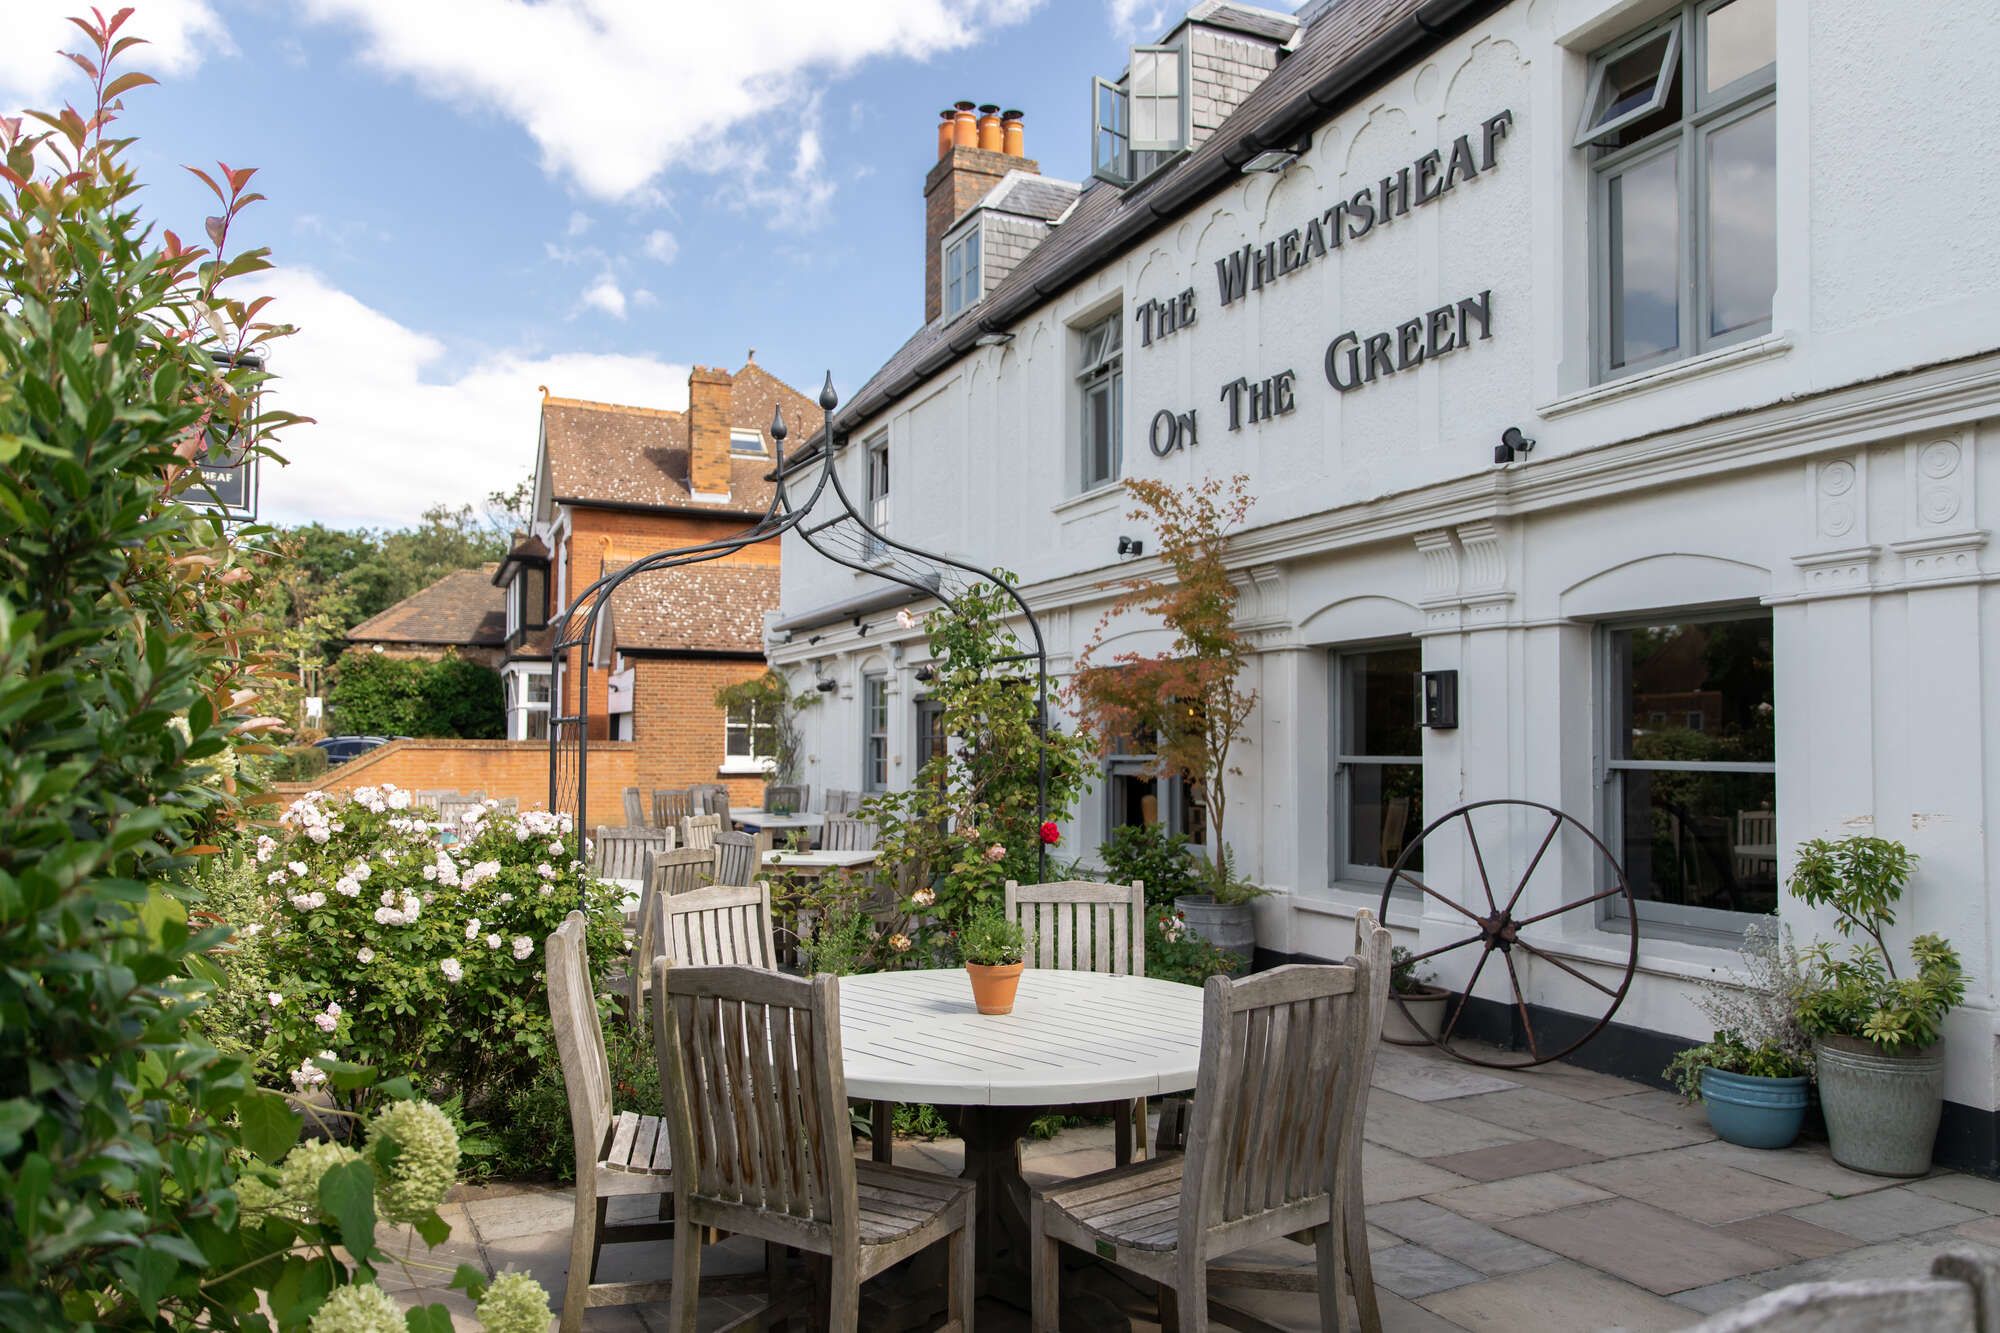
1499,930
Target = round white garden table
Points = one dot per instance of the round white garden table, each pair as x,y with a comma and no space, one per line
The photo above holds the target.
1074,1039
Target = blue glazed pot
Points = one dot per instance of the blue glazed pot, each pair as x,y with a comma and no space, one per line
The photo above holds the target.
1752,1111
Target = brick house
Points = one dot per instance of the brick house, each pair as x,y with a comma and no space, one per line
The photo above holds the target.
462,612
614,484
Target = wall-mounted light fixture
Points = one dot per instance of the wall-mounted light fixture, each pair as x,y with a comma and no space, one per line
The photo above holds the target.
822,682
1440,699
926,674
1512,443
1131,546
1273,160
993,338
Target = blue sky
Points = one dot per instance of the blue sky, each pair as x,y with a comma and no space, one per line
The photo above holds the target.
471,198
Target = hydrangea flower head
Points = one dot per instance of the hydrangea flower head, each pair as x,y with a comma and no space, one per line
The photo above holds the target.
426,1161
358,1308
515,1303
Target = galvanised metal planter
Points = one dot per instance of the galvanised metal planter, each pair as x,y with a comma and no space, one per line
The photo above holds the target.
1754,1111
1881,1110
1231,927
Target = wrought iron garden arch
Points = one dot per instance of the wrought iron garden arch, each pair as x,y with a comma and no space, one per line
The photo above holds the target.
580,633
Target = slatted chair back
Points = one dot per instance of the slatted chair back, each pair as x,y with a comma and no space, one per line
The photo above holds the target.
726,925
841,802
430,800
845,833
700,830
1078,926
786,798
762,1123
635,808
712,798
620,853
509,805
736,858
579,1041
452,810
1286,1056
671,805
678,871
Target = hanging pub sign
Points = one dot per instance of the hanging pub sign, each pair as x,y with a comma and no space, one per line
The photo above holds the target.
226,478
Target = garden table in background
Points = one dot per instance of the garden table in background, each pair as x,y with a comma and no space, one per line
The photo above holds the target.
757,821
818,863
1074,1039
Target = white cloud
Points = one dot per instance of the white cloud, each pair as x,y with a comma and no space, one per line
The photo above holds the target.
579,223
33,72
661,246
400,425
617,91
604,294
1138,20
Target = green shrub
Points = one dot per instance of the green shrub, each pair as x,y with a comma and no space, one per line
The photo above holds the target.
1175,953
1159,859
1730,1054
293,763
375,694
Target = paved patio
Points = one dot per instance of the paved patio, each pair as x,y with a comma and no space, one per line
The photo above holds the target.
1552,1199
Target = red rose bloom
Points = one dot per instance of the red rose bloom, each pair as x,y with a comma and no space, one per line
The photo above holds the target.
1050,833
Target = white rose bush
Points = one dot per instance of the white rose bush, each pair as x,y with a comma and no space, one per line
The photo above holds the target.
412,947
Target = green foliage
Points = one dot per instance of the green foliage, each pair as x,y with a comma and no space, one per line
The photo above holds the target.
774,713
1730,1054
293,763
989,939
969,822
1860,996
846,942
375,694
1403,976
1158,859
1175,953
531,1126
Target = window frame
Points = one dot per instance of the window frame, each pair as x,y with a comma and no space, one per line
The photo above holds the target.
1687,139
738,435
874,742
1121,166
751,728
1105,372
1342,873
968,247
1701,925
518,688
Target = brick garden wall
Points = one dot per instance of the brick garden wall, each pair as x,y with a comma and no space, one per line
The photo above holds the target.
499,768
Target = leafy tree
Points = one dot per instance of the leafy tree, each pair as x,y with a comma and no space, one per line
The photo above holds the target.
1185,698
375,694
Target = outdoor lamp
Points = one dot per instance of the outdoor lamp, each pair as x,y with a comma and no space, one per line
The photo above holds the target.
1131,546
1512,442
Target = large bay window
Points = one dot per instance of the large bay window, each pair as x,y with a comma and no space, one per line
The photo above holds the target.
1691,784
1680,128
1378,750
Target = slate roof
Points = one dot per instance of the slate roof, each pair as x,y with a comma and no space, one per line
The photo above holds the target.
717,606
1042,197
1345,52
461,609
609,453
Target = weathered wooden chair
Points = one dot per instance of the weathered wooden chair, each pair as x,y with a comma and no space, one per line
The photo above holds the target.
1079,926
736,858
620,853
700,830
712,798
671,805
635,808
841,802
846,833
1962,1295
679,871
509,805
1274,1148
786,798
452,810
757,1112
429,799
727,925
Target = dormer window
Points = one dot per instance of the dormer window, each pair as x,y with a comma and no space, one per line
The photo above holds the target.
962,286
746,442
1143,120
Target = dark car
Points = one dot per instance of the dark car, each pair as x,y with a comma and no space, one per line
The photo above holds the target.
340,749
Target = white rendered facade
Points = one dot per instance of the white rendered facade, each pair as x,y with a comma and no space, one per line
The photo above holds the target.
1839,474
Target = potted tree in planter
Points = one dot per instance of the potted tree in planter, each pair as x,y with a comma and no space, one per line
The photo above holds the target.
1416,1008
1185,698
1877,1036
1753,1075
994,951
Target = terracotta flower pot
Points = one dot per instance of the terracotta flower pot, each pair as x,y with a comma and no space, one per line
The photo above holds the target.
993,985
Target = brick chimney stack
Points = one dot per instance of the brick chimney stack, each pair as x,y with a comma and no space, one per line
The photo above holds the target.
974,152
708,416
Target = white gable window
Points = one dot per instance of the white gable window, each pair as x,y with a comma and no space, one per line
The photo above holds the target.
1144,119
962,285
746,442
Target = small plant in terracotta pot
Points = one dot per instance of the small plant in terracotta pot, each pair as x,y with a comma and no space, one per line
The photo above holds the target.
993,949
1415,1012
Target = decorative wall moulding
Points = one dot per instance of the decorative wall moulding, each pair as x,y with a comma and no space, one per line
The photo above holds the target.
1952,555
1841,573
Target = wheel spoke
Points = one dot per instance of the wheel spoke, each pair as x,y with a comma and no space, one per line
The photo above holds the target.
1459,908
1554,961
1479,859
1555,827
1460,944
1568,907
1521,1004
1451,1024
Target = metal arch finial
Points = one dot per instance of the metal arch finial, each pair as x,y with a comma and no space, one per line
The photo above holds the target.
778,425
828,399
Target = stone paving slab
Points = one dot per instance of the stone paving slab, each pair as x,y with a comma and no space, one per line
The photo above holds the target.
1580,1124
1412,1271
1387,1175
1972,1191
1646,1246
1908,1257
1669,1108
1520,1196
1986,1231
1718,1297
1430,1077
1515,1159
1807,1165
1427,1129
1885,1215
1698,1188
1459,1239
1561,1298
1789,1235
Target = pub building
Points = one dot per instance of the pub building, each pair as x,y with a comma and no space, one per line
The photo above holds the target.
1627,366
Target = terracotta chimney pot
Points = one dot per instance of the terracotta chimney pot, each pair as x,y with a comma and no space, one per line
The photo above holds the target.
989,128
964,128
1014,140
944,131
